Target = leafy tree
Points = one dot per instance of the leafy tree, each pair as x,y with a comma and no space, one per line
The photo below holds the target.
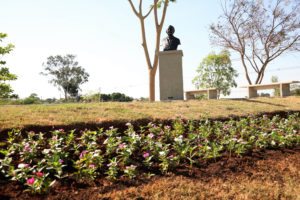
66,74
295,89
32,99
258,31
5,89
215,71
120,97
152,67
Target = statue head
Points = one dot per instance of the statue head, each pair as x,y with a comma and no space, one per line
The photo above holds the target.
171,30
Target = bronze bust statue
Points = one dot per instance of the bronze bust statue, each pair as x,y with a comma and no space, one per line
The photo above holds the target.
170,43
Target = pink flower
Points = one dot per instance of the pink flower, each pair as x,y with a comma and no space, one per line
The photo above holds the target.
159,137
127,167
199,145
61,130
60,161
91,166
121,146
206,140
179,115
32,132
128,124
30,181
272,126
111,127
151,135
27,148
161,132
132,166
243,142
146,155
150,123
53,138
83,152
181,122
155,127
167,127
252,125
110,164
226,125
234,139
39,174
171,156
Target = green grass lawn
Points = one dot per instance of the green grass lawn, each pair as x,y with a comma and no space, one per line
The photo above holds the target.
65,114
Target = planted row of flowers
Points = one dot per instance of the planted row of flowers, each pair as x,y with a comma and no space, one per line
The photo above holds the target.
38,162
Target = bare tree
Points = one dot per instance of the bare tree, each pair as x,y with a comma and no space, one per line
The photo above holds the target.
152,67
260,32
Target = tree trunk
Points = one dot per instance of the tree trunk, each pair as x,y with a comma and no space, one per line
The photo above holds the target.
151,85
246,71
151,68
66,95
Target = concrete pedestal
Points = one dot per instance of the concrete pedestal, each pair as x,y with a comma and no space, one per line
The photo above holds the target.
252,92
284,90
170,75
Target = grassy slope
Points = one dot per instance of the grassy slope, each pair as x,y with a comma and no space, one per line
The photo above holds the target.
64,114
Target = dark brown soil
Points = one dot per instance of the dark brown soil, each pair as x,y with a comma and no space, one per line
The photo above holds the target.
203,170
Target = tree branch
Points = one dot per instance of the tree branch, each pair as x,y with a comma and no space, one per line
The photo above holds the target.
148,12
164,13
133,8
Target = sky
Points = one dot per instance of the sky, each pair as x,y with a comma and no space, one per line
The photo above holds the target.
105,36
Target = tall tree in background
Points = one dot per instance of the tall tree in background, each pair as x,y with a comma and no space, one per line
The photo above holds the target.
215,71
152,67
5,89
260,32
65,73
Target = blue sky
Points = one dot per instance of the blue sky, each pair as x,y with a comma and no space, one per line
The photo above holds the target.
105,36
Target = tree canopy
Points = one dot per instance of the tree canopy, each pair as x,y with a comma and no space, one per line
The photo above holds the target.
5,88
259,31
65,73
215,71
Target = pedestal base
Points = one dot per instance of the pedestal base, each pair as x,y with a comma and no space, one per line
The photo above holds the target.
170,75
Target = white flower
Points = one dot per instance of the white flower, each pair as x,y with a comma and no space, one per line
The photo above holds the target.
208,147
46,151
22,165
95,154
162,153
178,139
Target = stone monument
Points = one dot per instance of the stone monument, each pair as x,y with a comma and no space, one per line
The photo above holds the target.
170,68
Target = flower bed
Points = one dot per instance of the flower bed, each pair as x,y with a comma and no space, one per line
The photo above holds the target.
38,162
